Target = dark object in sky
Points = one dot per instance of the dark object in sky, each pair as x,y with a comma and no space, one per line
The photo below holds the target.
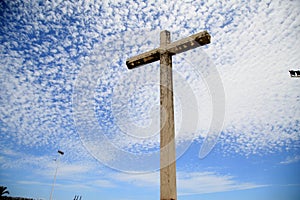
60,152
295,73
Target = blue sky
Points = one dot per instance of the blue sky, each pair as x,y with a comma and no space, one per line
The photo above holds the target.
65,85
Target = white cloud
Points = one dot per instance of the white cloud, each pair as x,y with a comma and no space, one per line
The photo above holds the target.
189,182
25,182
103,184
141,180
290,160
46,165
72,170
209,182
47,45
253,47
74,184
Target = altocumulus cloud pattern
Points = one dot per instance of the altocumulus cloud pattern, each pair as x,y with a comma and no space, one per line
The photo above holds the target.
46,45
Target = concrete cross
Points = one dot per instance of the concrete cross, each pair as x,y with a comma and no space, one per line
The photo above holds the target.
167,142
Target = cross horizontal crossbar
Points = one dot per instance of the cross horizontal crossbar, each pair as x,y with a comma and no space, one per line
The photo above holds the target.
191,42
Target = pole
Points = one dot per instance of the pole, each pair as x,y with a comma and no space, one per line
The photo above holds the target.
54,179
167,132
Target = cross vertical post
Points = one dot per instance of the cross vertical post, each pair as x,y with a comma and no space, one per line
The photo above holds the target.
167,132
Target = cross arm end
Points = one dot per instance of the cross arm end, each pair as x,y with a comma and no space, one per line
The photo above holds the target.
142,59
